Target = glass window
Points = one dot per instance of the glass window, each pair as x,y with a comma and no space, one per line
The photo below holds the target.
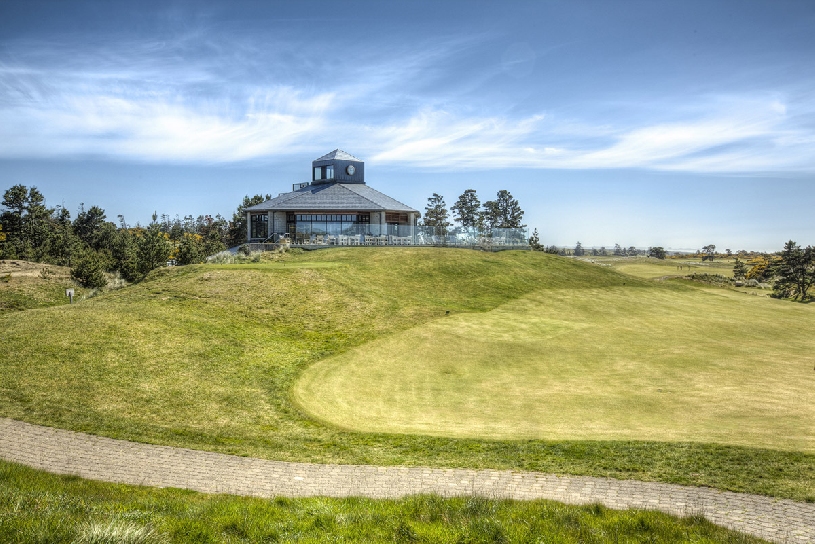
329,172
259,224
318,173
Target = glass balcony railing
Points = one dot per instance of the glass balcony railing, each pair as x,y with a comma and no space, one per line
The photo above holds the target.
405,235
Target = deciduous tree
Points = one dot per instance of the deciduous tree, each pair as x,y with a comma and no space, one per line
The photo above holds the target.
657,252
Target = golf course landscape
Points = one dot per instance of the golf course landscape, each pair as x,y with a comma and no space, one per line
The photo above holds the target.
433,357
594,363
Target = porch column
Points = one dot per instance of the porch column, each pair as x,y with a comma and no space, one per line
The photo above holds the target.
248,226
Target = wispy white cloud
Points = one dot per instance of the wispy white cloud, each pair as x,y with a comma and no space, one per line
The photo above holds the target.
174,111
757,138
123,120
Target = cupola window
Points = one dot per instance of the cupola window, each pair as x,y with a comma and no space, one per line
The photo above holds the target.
323,172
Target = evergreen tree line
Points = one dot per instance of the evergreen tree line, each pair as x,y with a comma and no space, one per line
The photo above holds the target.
579,250
91,245
502,213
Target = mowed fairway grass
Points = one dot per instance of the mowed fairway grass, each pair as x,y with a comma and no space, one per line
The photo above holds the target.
209,356
613,363
644,267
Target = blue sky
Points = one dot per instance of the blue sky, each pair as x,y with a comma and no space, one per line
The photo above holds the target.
641,123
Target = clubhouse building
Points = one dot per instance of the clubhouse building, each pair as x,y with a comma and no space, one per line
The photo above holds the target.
335,208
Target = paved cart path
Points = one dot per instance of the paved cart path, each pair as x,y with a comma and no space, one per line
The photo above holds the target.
98,458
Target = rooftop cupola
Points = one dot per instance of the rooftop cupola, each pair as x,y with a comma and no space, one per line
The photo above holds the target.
338,166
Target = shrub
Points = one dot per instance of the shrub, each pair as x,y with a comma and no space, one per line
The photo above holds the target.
713,279
87,270
190,250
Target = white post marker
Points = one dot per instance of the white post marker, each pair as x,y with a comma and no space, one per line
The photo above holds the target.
70,294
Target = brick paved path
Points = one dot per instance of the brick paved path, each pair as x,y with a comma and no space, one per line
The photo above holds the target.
97,458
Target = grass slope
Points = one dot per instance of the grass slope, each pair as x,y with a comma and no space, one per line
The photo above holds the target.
38,507
567,364
206,356
26,285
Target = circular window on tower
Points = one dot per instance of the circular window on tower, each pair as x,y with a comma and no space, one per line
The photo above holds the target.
350,169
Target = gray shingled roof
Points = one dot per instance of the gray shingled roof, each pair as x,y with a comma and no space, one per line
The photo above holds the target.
333,197
338,154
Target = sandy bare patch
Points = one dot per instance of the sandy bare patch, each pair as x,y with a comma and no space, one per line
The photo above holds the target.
25,269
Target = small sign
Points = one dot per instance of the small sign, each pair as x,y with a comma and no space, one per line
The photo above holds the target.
69,292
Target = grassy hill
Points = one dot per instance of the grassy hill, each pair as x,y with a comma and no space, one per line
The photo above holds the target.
207,357
25,285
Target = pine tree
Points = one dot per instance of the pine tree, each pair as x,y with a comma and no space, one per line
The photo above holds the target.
153,248
88,225
436,214
124,253
62,245
467,210
87,270
534,241
796,272
578,250
190,250
26,222
504,212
